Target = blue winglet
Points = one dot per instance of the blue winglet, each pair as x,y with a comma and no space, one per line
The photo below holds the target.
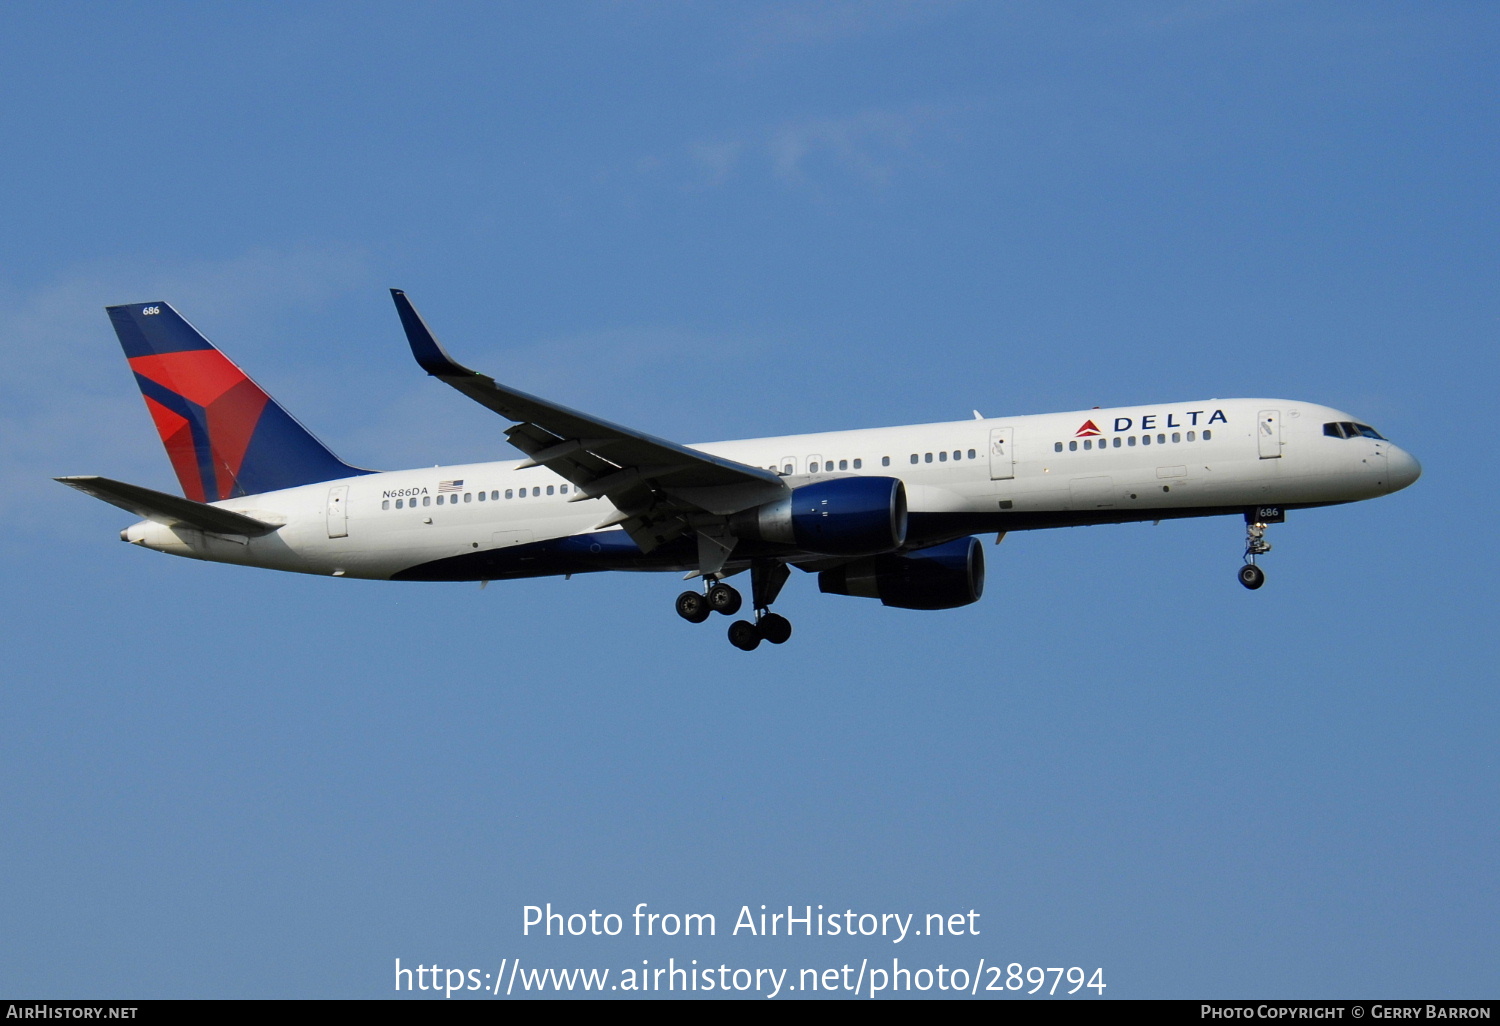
424,344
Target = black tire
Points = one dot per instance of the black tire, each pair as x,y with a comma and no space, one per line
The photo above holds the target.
724,599
692,607
1252,576
775,628
744,635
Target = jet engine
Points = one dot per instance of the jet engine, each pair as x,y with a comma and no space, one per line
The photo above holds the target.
848,516
943,577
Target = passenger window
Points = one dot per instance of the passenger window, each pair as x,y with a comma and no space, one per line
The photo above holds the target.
549,489
914,457
885,461
427,500
564,489
958,454
1072,446
1176,436
943,457
928,457
1057,447
1161,439
971,454
1088,443
858,464
481,496
469,496
1145,439
536,491
1130,440
1117,441
843,464
398,503
1207,434
1190,436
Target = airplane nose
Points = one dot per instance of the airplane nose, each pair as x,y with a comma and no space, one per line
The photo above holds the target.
1403,468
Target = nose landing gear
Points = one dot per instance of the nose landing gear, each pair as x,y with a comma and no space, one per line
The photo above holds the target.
1252,576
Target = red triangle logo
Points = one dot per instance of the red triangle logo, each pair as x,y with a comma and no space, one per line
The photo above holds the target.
1088,430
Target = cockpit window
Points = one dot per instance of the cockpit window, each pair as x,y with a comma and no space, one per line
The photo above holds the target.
1349,429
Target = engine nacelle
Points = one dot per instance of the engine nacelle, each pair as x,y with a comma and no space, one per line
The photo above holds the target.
943,577
848,516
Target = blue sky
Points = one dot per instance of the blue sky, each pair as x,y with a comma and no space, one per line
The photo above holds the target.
730,220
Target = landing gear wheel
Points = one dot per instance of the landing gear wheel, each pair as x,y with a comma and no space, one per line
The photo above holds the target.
744,635
724,599
1252,576
692,607
775,628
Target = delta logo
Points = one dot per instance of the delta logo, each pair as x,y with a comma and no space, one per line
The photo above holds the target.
1148,422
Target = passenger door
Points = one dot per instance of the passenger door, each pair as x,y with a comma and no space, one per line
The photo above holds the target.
1002,454
338,511
1268,431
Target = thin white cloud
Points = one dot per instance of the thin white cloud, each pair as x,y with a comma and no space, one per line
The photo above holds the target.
872,147
870,144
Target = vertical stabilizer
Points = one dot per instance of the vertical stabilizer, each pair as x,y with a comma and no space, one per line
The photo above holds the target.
224,435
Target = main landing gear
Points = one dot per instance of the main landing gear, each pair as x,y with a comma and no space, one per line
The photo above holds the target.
694,607
766,581
768,626
1252,576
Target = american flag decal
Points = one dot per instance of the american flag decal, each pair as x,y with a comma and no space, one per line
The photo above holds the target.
450,486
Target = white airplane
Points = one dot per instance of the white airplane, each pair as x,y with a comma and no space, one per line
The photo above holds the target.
885,513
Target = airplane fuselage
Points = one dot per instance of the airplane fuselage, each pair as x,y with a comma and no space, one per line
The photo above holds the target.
493,521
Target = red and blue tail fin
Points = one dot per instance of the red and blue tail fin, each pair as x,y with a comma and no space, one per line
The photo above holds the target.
225,436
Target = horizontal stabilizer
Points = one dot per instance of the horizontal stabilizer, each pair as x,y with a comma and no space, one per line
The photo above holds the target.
172,510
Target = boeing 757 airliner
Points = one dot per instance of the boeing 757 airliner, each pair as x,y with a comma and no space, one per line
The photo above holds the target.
887,513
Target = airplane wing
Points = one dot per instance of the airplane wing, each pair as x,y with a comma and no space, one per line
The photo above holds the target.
661,489
172,510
